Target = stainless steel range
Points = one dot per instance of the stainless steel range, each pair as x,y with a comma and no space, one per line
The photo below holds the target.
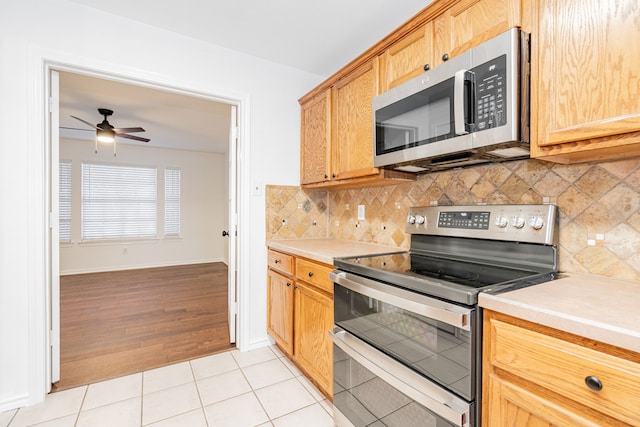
408,331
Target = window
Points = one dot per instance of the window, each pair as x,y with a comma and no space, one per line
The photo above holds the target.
64,201
118,202
172,202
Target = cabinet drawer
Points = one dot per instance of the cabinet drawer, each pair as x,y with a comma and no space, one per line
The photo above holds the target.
563,367
314,273
281,262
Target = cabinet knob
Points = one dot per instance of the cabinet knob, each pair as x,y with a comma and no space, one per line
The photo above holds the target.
295,287
288,284
276,261
426,67
333,175
326,176
445,57
593,383
311,274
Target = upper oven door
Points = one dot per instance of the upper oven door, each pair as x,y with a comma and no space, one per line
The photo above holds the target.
437,339
426,116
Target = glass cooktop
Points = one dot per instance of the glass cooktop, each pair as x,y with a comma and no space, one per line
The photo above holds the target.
452,279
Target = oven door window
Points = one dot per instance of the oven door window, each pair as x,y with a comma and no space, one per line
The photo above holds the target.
365,399
434,349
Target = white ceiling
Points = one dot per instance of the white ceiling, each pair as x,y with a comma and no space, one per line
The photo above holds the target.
314,36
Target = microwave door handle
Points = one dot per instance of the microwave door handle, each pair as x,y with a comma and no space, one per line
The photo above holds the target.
460,99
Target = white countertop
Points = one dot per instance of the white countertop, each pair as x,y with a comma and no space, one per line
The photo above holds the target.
600,308
325,250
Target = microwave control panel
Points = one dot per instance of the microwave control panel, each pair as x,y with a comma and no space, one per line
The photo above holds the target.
490,87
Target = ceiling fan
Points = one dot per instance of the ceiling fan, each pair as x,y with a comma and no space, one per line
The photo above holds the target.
105,132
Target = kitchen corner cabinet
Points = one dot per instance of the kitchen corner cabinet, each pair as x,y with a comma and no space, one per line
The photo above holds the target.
468,23
585,80
300,314
539,376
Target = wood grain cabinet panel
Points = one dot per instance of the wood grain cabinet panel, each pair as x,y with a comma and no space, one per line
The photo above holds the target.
313,348
315,136
353,123
280,310
315,274
586,80
406,58
280,262
469,23
534,375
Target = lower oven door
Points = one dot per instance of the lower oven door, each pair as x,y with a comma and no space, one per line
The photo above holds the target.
435,338
372,389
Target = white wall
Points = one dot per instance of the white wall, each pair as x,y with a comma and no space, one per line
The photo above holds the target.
203,210
34,31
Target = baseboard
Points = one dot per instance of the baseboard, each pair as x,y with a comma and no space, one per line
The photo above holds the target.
14,403
258,344
138,267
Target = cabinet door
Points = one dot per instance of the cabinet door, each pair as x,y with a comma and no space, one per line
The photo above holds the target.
407,58
315,139
313,348
507,404
587,80
280,310
353,123
470,22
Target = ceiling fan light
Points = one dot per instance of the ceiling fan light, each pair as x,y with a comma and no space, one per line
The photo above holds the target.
105,135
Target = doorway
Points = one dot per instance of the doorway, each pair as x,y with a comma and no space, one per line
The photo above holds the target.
230,221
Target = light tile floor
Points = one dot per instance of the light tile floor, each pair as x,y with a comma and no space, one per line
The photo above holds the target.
256,388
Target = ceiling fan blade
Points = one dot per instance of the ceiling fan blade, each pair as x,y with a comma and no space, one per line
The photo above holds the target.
85,122
125,130
137,138
70,128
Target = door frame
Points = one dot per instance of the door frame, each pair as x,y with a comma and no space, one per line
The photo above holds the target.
41,64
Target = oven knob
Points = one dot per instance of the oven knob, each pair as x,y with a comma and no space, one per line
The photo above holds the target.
411,219
501,221
420,219
517,222
536,222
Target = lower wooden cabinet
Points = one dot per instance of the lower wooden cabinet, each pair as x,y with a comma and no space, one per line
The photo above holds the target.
539,376
280,308
313,318
300,314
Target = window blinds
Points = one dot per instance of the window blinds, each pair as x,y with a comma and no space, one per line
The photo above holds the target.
118,202
64,201
172,202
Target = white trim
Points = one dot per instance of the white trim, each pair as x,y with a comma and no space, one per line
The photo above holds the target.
16,402
39,63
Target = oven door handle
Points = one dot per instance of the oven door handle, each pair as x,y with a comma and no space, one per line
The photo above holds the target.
413,385
432,308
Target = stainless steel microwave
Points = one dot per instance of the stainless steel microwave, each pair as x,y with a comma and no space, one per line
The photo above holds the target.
471,109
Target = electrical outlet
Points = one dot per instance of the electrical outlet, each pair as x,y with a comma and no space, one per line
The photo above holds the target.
360,212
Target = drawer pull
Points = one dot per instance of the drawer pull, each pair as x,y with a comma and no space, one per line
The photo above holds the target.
288,284
593,383
276,261
311,274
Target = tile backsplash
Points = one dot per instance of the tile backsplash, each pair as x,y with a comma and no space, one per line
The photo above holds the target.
599,207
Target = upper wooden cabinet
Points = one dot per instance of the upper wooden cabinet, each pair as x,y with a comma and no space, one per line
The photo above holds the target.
468,23
585,80
353,123
409,57
315,136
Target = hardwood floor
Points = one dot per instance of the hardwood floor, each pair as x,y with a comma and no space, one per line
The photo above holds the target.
117,323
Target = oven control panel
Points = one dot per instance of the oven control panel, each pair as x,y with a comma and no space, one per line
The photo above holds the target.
524,223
